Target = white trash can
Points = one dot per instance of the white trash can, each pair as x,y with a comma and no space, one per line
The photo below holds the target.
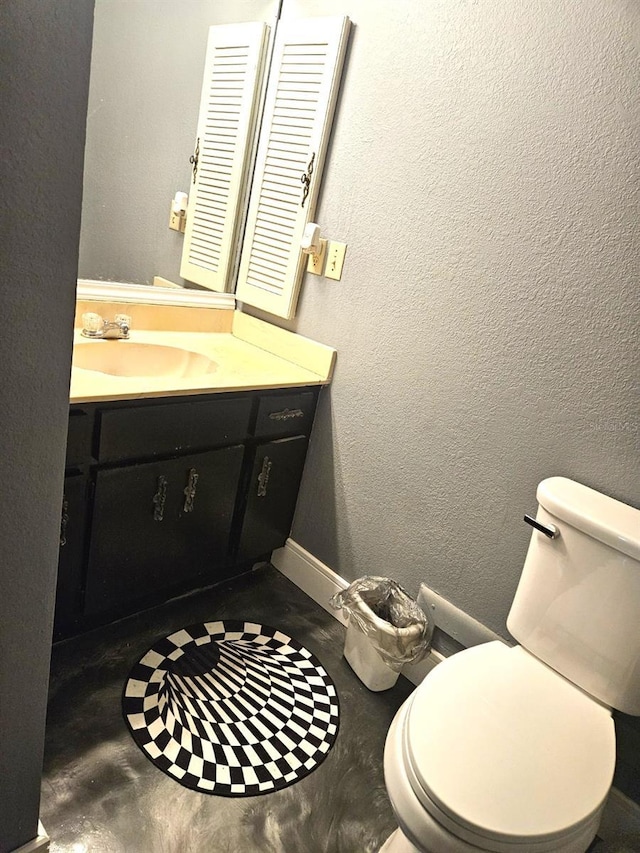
365,661
361,653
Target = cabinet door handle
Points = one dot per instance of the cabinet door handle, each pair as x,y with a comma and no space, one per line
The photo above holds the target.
64,519
159,498
190,490
286,415
263,477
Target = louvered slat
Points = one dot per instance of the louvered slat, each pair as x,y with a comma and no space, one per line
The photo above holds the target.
228,105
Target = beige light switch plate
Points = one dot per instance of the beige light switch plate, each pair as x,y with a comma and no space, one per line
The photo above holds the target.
335,260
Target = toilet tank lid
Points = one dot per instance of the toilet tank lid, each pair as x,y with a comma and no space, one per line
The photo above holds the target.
609,521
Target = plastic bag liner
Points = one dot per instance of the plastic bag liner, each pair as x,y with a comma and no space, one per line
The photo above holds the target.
396,627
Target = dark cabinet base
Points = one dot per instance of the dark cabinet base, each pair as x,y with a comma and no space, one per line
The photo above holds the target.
165,496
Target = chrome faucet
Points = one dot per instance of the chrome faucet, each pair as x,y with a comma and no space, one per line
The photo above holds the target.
95,326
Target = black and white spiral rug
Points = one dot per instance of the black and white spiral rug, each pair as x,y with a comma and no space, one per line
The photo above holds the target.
232,708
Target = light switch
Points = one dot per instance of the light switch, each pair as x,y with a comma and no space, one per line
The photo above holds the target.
335,260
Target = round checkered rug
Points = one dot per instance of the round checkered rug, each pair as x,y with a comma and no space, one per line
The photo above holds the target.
232,708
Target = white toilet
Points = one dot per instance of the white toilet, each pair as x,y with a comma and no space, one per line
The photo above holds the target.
512,749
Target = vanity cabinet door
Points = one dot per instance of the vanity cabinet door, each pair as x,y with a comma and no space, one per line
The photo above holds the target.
160,526
203,506
272,495
70,561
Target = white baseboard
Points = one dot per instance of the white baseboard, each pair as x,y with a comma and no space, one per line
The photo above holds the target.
621,818
39,844
455,622
309,574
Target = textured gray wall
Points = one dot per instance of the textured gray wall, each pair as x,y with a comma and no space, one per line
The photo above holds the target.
146,76
44,66
484,172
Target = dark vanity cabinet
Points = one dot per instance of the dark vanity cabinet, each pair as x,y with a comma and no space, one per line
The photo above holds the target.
169,495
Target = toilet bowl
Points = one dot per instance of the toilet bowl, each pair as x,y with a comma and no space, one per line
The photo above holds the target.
511,749
458,787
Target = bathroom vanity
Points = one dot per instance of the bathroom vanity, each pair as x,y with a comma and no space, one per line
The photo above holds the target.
166,492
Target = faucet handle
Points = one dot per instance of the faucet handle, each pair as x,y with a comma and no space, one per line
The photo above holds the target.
92,323
123,320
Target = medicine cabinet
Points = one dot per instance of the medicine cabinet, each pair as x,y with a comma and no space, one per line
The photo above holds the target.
258,249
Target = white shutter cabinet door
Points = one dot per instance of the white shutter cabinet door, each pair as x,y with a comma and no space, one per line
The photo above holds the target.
301,96
228,106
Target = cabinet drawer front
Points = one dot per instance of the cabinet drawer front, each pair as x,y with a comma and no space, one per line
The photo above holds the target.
156,430
79,437
286,414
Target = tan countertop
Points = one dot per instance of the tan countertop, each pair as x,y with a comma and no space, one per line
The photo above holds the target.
253,355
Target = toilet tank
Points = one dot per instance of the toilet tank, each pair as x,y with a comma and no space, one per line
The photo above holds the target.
577,606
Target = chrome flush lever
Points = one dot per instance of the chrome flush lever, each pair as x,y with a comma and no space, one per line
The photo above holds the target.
549,530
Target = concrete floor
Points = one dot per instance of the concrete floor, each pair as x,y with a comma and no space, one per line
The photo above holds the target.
101,795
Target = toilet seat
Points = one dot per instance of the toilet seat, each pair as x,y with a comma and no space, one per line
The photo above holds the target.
550,747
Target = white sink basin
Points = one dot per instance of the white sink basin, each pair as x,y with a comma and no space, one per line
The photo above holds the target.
125,358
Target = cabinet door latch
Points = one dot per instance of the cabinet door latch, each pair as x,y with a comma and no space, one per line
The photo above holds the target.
64,520
190,491
286,415
263,477
160,498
